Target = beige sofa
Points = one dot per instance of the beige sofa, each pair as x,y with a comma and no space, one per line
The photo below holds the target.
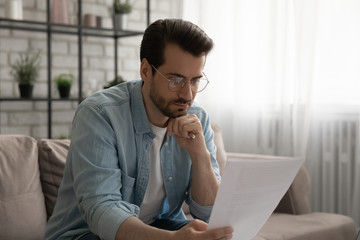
31,171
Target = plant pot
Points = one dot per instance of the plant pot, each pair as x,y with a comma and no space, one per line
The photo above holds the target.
26,90
64,91
120,21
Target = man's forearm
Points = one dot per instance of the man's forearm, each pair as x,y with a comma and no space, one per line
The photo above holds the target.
204,184
134,228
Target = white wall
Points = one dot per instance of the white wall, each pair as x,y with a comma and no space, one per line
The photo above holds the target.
30,117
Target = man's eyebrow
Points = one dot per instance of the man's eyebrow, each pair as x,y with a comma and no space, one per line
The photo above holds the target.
182,76
175,74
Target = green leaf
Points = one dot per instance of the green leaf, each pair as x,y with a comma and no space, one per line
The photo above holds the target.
26,68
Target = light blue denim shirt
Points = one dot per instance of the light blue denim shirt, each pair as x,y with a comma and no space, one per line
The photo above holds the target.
107,168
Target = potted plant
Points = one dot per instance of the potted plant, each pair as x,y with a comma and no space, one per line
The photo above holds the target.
63,83
117,80
120,14
26,71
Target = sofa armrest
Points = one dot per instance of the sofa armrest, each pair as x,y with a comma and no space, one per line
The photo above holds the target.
296,199
22,208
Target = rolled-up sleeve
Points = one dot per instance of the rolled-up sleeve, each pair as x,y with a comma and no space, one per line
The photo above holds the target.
198,211
97,174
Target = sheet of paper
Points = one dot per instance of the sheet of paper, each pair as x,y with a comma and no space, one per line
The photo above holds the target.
251,188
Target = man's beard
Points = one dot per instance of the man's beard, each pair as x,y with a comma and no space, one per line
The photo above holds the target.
164,106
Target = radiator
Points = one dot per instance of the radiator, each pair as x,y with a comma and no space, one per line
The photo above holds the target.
333,162
332,158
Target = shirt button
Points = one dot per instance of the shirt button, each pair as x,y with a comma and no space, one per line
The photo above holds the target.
170,178
166,144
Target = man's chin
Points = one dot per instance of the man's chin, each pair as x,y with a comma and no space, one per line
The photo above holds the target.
174,112
177,113
180,113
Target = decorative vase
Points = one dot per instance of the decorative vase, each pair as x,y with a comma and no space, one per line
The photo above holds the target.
60,12
13,9
120,21
64,91
89,20
26,90
98,21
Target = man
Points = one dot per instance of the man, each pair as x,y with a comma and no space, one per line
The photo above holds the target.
141,148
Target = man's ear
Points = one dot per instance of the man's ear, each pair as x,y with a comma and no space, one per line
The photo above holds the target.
145,70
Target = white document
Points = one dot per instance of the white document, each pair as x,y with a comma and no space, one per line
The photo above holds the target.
251,188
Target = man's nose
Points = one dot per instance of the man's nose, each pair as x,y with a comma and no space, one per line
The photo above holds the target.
186,92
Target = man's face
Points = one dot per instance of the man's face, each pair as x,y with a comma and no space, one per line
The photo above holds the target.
178,63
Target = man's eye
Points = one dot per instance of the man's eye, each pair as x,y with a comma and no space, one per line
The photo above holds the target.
176,80
195,81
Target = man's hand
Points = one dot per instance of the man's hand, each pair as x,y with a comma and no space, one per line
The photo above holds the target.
189,134
133,228
197,230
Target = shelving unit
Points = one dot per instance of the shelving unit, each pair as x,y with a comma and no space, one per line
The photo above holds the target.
75,30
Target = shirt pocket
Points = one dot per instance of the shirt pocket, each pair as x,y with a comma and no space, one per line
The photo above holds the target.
127,189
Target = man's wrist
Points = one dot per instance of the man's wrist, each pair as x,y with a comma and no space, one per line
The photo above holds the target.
201,160
134,228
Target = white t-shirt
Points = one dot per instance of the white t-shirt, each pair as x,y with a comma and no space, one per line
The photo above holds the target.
155,191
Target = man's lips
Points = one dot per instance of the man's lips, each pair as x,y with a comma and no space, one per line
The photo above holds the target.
183,104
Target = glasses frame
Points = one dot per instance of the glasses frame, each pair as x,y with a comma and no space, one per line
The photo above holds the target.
204,77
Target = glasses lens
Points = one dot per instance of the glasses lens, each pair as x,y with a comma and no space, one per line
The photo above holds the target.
200,85
176,83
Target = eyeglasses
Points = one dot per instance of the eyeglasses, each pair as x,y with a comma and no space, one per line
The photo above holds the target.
177,82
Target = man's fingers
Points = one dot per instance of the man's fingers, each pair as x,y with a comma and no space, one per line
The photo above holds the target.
197,230
198,225
191,129
219,233
192,135
185,126
215,234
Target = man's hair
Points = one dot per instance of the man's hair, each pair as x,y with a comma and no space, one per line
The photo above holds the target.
188,36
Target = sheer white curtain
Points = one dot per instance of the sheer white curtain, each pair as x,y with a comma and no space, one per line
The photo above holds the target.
285,80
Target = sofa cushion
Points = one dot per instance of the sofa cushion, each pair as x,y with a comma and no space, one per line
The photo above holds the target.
52,158
312,226
23,214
